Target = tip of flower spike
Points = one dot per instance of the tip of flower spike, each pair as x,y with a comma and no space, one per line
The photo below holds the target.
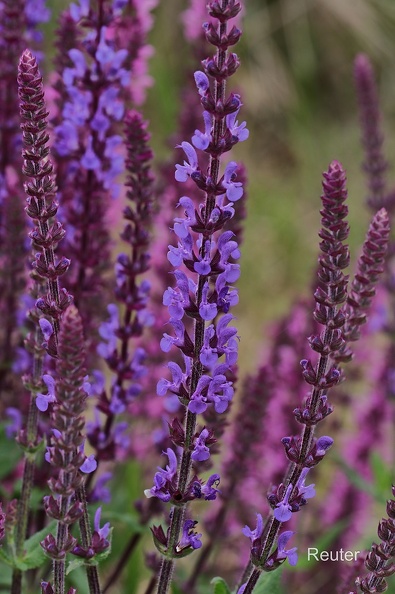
382,216
27,55
27,60
362,65
335,167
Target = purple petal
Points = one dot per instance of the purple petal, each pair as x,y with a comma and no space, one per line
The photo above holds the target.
89,465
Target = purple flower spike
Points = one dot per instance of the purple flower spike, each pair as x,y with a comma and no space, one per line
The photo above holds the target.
375,165
204,252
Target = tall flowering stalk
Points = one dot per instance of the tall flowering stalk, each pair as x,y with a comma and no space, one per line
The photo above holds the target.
67,505
41,207
128,321
201,293
306,451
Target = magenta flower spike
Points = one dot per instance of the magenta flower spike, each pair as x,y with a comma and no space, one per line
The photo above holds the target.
375,164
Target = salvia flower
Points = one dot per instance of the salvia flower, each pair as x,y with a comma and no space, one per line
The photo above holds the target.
163,479
255,534
190,538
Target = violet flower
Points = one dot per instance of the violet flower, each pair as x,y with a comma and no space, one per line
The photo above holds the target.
190,539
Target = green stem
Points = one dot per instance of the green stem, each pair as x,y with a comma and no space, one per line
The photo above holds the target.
86,538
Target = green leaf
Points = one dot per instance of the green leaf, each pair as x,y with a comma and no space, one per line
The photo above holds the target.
356,479
34,555
6,558
175,588
79,562
9,456
382,475
270,582
79,582
220,586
